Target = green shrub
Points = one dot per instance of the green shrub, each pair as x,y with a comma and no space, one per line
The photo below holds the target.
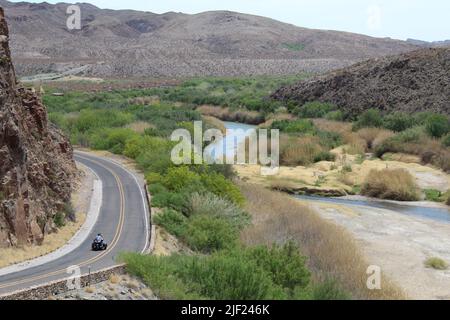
399,121
433,195
113,140
208,234
173,221
284,263
369,119
220,186
178,178
176,201
337,115
314,110
211,205
437,125
238,274
329,290
60,219
302,126
155,155
153,178
436,263
325,156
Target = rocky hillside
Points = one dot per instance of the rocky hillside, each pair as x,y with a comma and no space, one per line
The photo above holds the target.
132,43
36,166
411,82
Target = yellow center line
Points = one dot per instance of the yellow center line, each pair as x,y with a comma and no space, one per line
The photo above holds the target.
96,258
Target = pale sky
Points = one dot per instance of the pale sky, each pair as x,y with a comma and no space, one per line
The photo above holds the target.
400,19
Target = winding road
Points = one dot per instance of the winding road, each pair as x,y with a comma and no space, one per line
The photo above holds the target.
123,221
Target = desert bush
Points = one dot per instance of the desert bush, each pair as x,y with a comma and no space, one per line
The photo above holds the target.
329,290
369,119
299,127
284,263
211,205
399,121
314,110
113,140
191,277
436,263
335,115
433,195
276,272
393,184
208,233
173,221
172,200
374,136
222,187
178,178
59,219
437,125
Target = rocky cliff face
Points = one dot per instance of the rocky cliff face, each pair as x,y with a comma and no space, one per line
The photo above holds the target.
36,160
410,82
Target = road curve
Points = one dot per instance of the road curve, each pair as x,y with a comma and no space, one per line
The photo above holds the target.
123,221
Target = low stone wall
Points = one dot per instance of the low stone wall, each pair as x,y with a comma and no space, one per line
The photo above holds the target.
43,292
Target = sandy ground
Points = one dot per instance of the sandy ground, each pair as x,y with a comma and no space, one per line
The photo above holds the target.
81,198
328,175
399,244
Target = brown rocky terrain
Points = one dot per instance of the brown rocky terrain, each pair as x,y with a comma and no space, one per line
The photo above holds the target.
410,82
126,43
36,160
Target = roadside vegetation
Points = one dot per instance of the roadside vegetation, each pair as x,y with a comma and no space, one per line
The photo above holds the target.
247,242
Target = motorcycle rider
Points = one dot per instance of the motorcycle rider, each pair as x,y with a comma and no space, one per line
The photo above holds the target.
99,238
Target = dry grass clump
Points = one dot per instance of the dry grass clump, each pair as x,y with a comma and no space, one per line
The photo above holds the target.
300,151
215,123
333,126
227,114
89,290
140,126
374,136
143,101
393,184
332,252
114,278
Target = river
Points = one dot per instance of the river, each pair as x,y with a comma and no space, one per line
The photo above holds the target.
440,214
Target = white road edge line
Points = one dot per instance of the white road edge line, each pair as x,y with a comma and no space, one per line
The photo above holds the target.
76,241
143,197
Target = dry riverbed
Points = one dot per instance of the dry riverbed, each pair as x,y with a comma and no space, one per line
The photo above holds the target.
399,244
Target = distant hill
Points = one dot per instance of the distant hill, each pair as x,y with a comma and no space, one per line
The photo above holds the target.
132,43
433,44
411,82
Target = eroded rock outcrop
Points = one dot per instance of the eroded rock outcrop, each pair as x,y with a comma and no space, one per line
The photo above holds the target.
410,82
36,160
